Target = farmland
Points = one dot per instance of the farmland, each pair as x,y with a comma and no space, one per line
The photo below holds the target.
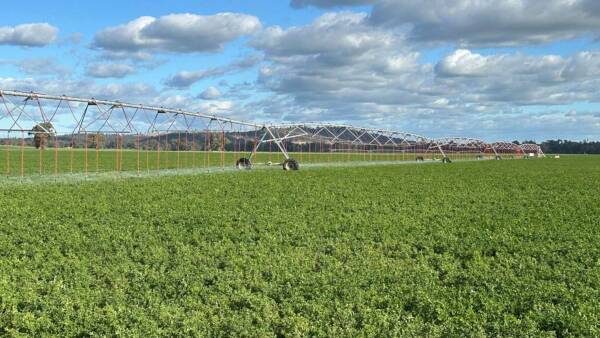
491,248
16,161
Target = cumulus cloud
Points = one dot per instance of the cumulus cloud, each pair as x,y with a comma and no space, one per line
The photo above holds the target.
216,107
126,92
39,66
332,34
110,70
210,93
185,79
28,35
465,63
519,79
336,61
124,55
177,33
366,69
486,22
343,68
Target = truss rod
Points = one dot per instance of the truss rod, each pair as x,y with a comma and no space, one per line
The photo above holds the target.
127,105
317,125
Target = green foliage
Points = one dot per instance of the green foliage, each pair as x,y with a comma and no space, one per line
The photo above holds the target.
42,131
65,161
571,147
489,248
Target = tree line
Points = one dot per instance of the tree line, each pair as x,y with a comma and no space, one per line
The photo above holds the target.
570,147
43,132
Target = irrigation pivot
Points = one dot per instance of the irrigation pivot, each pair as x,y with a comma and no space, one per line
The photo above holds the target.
47,134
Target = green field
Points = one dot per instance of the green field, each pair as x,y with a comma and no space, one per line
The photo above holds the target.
488,248
27,161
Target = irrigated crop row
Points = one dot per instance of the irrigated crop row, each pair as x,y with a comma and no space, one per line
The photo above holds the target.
496,248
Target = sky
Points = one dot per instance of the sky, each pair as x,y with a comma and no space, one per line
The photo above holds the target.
495,70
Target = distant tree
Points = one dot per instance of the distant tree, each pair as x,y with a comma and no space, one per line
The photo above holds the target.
150,144
570,147
217,141
173,145
94,140
129,143
180,143
41,132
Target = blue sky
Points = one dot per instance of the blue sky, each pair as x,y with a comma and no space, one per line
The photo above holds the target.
491,69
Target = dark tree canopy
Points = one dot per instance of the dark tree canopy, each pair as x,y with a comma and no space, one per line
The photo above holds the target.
571,147
41,133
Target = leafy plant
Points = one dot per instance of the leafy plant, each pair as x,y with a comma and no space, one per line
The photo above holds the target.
488,248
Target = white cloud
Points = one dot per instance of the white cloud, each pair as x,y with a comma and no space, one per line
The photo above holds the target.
126,92
185,79
210,93
39,66
177,33
490,22
370,75
110,70
464,63
518,79
29,35
338,61
332,33
481,22
123,55
364,68
217,107
549,69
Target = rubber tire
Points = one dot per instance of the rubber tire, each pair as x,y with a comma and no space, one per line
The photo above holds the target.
290,164
243,163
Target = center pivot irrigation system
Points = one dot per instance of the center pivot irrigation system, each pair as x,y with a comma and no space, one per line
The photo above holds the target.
43,134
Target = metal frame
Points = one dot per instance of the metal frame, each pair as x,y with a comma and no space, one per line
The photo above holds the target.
343,134
529,148
443,144
115,117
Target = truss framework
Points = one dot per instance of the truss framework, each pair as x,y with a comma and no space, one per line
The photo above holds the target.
22,111
344,134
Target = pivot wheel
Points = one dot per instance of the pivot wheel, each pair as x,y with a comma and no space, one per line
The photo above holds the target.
290,164
446,160
243,163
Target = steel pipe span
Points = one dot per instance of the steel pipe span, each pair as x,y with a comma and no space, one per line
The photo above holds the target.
63,117
92,101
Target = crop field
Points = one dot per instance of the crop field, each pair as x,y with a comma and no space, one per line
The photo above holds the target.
486,248
27,161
